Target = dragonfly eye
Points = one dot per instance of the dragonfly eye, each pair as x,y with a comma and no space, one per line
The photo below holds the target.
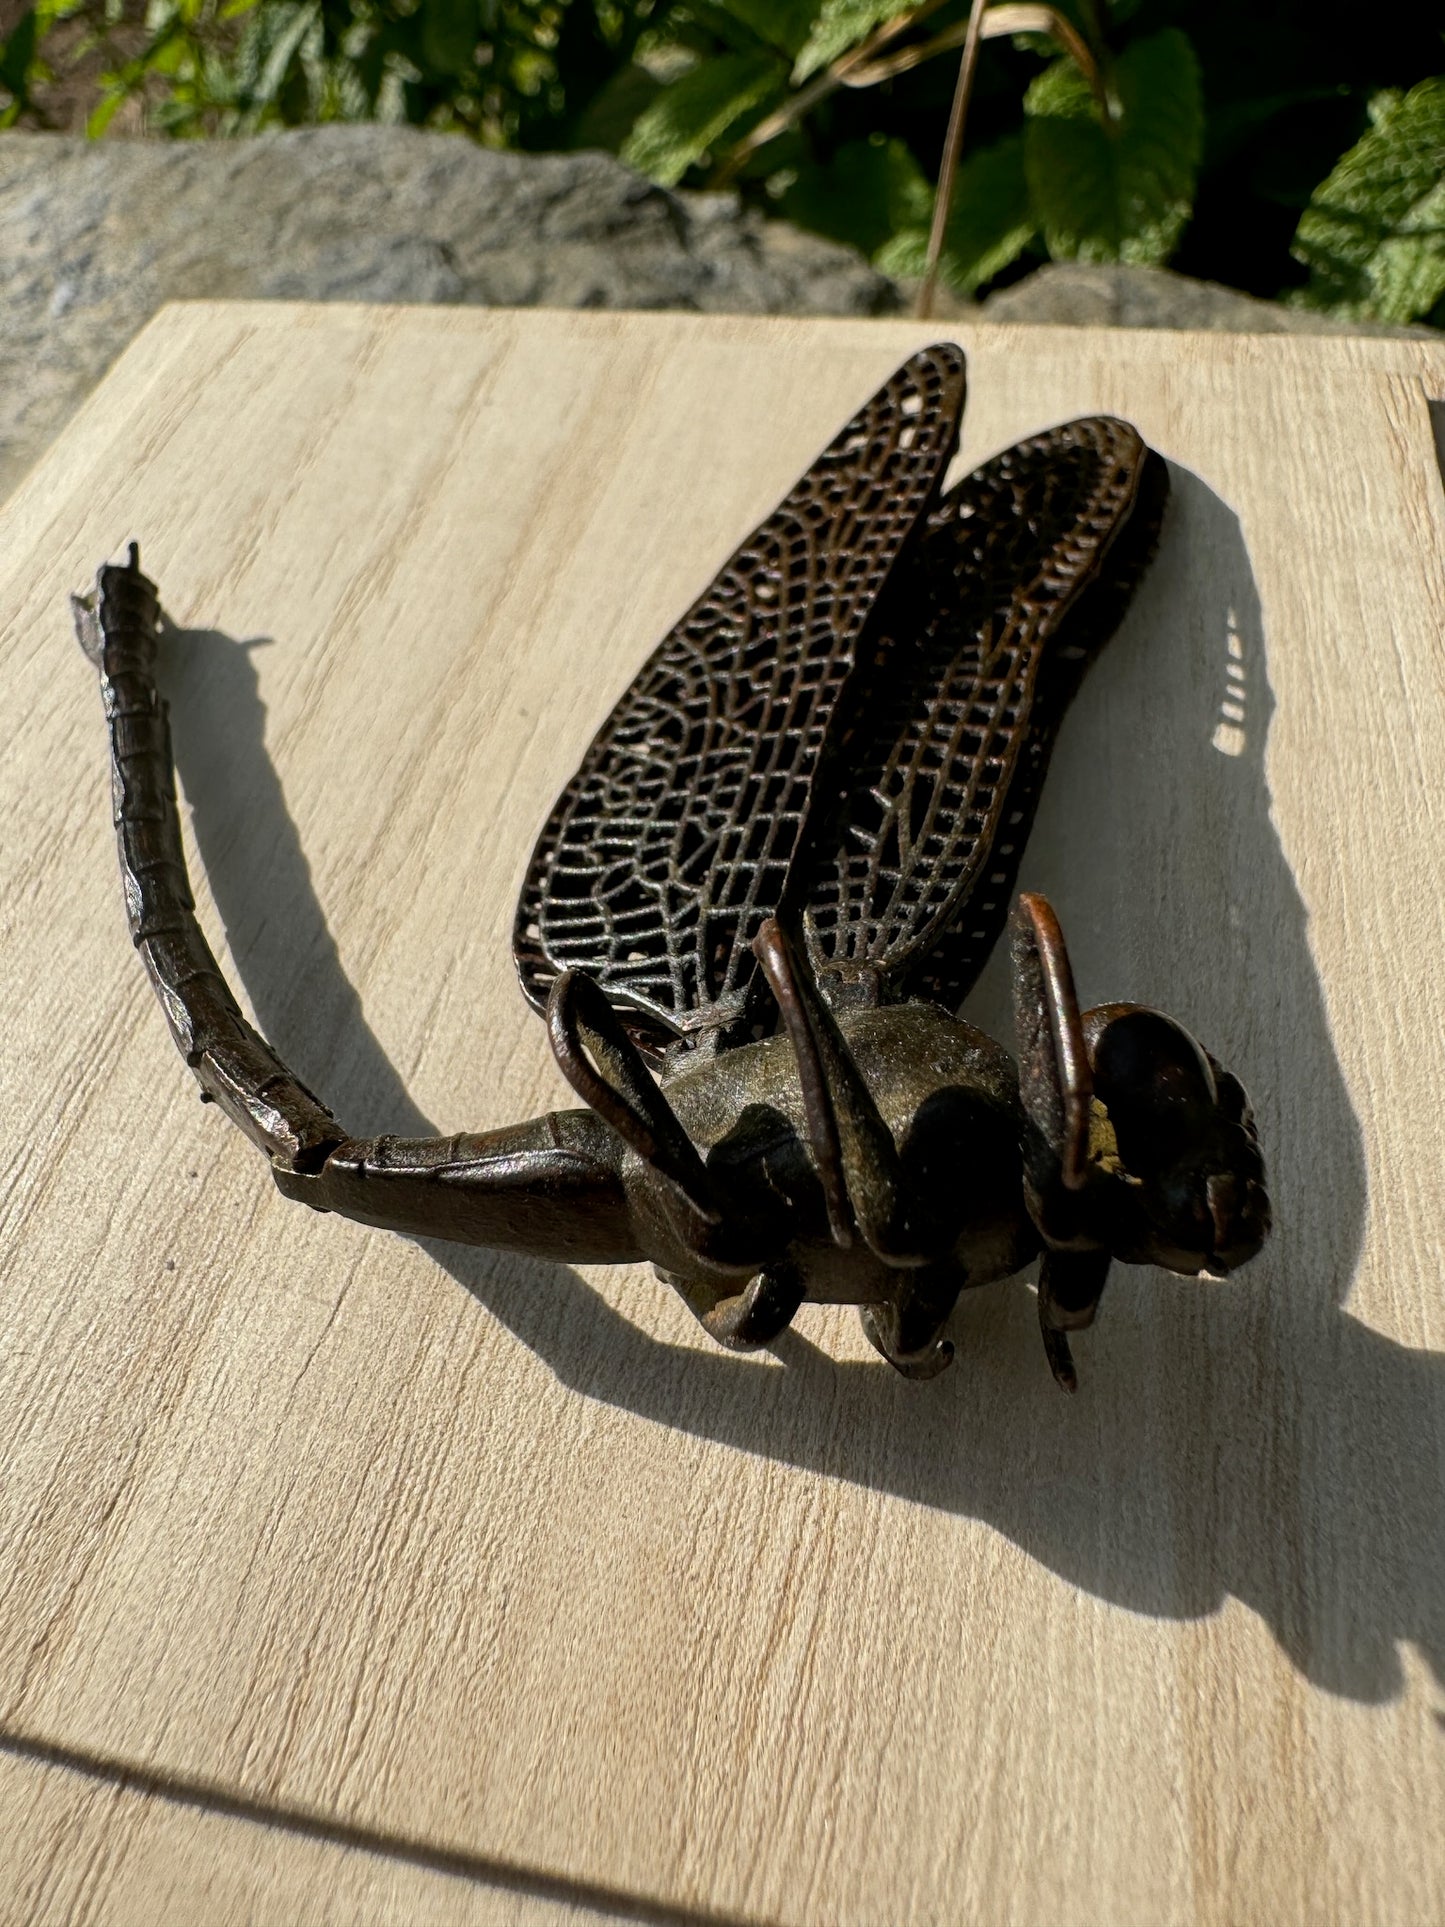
1185,1134
1207,1217
1156,1085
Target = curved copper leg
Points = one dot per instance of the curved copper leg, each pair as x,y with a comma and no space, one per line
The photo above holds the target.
607,1071
862,1175
1055,1081
1070,1286
745,1320
908,1331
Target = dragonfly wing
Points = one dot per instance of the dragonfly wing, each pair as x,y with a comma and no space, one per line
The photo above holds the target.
683,829
1016,579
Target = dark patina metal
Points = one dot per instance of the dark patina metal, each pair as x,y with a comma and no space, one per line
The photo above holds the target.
754,909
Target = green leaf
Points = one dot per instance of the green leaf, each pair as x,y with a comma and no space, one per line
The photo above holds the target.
1373,235
16,55
841,24
688,116
1120,191
989,225
101,115
614,110
868,191
784,24
271,49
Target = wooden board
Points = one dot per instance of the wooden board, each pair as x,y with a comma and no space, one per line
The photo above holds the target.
481,1553
90,1844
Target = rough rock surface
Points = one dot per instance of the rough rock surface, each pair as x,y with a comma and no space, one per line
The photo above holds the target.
1076,294
94,236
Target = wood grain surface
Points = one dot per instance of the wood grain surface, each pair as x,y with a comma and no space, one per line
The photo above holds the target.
499,1562
90,1844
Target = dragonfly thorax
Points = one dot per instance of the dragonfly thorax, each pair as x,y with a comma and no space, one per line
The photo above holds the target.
947,1096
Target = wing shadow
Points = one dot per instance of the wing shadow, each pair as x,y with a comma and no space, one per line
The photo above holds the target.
1248,1439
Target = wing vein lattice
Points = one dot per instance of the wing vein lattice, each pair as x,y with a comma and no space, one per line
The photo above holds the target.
684,826
1015,580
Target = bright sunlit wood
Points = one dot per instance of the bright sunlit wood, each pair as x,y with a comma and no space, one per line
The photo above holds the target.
501,1562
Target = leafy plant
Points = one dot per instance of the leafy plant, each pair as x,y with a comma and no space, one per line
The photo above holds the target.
1373,235
1295,150
991,222
18,69
679,128
1116,185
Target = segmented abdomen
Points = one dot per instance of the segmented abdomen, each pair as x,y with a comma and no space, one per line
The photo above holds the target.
119,630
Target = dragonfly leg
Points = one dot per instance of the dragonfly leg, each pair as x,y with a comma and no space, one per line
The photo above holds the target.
908,1328
607,1071
858,1163
745,1320
1071,1284
1055,1079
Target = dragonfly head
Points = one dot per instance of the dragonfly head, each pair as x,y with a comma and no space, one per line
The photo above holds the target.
1173,1141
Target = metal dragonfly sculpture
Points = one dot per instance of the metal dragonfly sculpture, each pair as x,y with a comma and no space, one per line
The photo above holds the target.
755,908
